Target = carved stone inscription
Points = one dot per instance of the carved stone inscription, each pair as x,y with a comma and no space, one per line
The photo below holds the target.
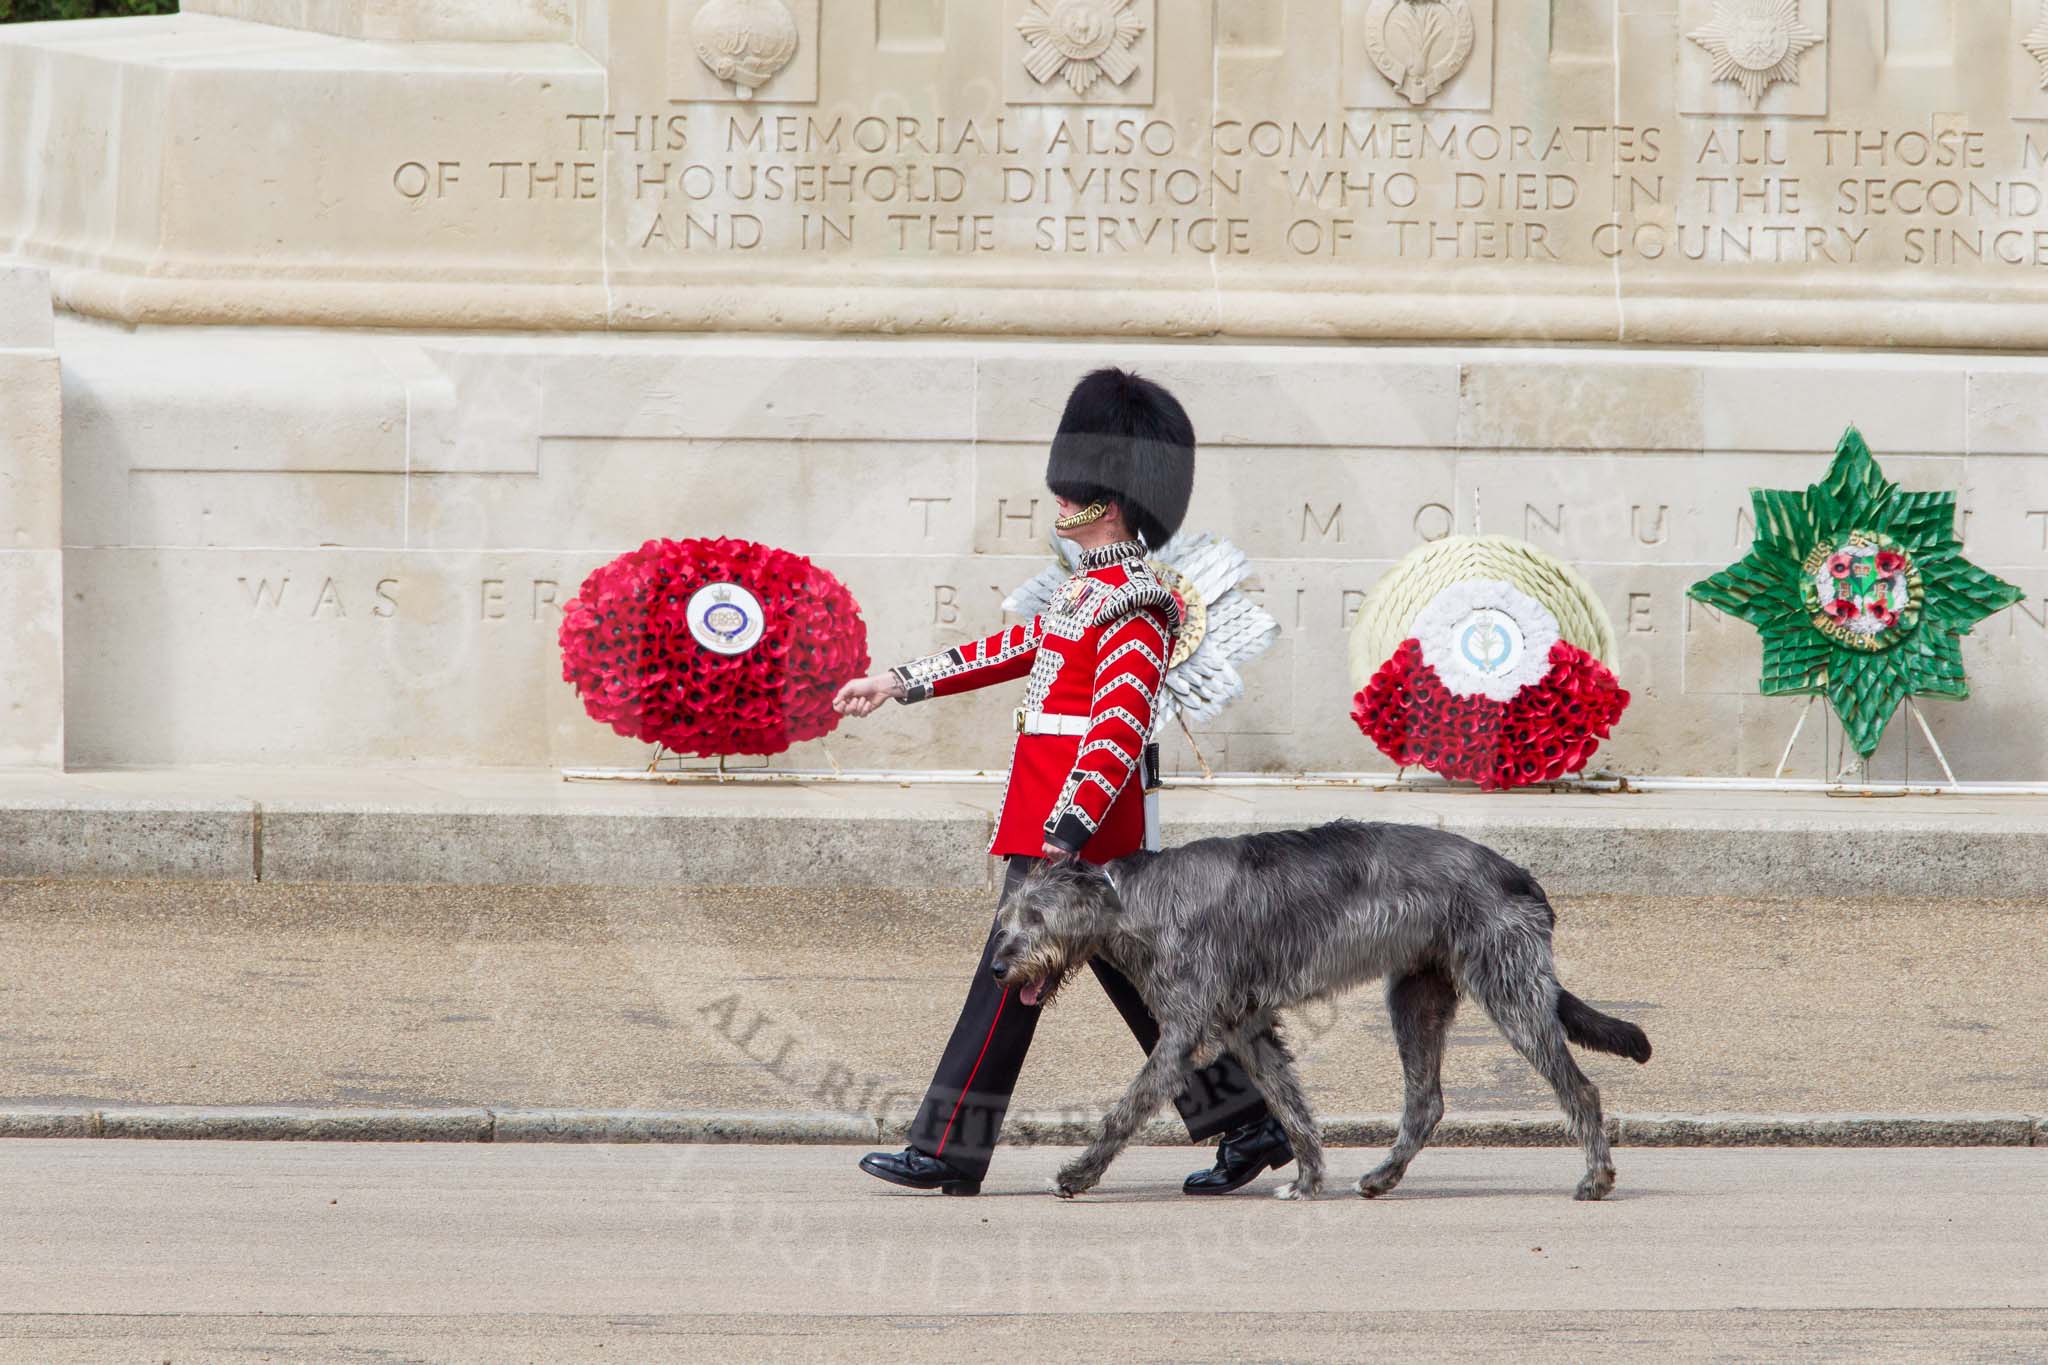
1387,187
1676,172
1408,143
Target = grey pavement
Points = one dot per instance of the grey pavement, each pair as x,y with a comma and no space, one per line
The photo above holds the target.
525,826
836,1002
230,1251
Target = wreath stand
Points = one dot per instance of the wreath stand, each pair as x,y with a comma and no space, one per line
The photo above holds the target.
668,768
1849,778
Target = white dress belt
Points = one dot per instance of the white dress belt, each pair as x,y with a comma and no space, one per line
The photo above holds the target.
1046,723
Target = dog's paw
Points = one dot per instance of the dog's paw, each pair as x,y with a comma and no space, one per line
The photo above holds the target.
1377,1182
1597,1185
1058,1191
1297,1190
1069,1183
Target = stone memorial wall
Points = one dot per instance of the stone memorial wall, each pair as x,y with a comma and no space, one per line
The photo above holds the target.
1694,171
368,317
31,531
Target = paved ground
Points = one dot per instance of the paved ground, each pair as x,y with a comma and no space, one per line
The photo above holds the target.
171,1251
784,1000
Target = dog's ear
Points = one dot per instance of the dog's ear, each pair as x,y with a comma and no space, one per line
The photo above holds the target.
1104,887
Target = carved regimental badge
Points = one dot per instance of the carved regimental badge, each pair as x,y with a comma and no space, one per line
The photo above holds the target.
745,42
1081,41
1419,45
2036,43
1756,44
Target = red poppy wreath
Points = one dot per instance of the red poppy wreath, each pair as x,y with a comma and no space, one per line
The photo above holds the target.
713,647
1496,678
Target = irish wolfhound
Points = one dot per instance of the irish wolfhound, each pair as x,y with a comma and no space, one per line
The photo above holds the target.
1221,935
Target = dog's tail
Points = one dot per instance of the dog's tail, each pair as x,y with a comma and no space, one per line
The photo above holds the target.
1588,1027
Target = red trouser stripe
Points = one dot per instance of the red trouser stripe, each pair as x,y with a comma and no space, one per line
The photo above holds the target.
946,1136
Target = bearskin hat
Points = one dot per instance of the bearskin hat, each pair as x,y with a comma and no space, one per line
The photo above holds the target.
1128,441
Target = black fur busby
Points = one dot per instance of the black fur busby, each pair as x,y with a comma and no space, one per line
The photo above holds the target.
1128,441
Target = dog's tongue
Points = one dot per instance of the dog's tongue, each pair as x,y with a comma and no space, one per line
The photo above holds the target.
1029,995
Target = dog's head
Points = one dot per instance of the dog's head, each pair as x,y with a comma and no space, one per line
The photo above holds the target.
1060,915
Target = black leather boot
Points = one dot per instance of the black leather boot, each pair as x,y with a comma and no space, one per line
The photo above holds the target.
914,1170
1242,1156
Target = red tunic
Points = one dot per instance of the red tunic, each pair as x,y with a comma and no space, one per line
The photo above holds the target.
1098,656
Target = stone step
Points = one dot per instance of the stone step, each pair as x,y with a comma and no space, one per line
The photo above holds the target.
531,827
313,1123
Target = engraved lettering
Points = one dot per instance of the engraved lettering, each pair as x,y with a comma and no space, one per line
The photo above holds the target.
1639,622
1378,187
958,232
263,597
415,180
945,605
1004,518
822,232
494,599
387,603
926,505
1433,522
1330,527
330,596
1532,517
1658,530
704,232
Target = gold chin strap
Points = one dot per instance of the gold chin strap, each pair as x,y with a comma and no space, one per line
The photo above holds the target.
1087,516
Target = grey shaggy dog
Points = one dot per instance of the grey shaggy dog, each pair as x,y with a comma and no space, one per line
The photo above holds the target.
1219,936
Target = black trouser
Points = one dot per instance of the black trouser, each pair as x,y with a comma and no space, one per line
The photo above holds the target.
962,1114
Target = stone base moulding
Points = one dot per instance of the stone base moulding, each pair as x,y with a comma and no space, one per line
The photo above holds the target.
531,829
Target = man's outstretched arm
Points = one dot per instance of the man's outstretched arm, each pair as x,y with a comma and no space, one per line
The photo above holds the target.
1001,657
998,658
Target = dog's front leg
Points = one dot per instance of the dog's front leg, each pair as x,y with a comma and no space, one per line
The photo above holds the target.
1161,1078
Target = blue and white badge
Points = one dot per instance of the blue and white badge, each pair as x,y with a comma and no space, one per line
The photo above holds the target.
1486,638
1491,642
725,618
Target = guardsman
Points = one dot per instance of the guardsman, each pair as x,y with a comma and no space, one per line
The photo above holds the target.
1122,470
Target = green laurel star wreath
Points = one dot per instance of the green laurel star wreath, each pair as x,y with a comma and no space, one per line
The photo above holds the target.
1860,593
